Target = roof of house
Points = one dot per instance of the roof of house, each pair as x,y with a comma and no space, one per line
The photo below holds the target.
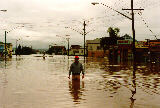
58,46
158,40
95,41
75,46
1,42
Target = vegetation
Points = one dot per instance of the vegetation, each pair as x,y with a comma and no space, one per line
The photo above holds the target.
112,39
24,50
56,50
113,32
50,50
27,51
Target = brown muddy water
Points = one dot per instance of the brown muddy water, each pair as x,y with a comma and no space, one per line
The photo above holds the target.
32,82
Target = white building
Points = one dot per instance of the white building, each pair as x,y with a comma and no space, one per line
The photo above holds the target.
94,48
76,50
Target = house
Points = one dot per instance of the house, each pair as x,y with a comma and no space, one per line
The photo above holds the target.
127,37
125,48
57,50
141,44
76,50
94,48
1,48
8,47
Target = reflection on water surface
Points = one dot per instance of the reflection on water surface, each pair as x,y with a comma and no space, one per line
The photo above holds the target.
34,82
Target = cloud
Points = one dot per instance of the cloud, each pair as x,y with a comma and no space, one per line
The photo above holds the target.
44,19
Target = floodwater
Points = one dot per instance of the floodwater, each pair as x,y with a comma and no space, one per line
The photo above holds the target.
34,82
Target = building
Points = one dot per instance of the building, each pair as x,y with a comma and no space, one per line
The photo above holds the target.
141,44
76,50
94,48
154,45
154,50
8,47
127,37
124,49
57,50
1,49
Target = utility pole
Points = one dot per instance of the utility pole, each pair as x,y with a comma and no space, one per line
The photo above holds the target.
68,45
133,29
16,47
84,34
5,45
149,49
84,37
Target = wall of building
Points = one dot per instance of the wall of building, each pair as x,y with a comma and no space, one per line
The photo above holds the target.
1,47
94,49
76,51
9,49
95,53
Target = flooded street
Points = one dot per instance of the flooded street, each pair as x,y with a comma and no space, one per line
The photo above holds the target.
34,82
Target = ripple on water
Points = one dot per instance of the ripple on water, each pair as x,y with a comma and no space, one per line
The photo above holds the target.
29,81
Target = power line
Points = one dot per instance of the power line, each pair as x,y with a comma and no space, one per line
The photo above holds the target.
145,23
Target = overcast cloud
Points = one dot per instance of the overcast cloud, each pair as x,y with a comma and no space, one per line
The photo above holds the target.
44,19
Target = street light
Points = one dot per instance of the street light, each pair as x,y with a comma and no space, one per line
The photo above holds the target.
66,39
94,3
131,18
3,10
6,38
84,29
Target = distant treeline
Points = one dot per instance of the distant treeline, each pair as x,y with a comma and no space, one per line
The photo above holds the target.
24,50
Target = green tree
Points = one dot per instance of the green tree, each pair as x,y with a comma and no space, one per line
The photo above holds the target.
27,51
50,50
113,32
106,42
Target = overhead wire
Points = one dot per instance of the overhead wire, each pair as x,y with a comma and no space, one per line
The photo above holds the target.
145,23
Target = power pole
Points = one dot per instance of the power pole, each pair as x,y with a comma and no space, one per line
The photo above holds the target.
16,48
5,45
149,49
84,37
133,29
68,45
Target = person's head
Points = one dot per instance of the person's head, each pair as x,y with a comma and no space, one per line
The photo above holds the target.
76,58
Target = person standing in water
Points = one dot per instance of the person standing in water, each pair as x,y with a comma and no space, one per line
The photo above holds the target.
43,55
76,68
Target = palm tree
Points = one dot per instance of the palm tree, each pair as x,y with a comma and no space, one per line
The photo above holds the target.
117,30
113,32
106,42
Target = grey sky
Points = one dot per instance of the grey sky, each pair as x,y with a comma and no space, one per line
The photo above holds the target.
44,19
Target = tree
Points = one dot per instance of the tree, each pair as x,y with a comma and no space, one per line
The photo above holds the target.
50,50
18,50
106,42
56,49
27,51
113,32
112,39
